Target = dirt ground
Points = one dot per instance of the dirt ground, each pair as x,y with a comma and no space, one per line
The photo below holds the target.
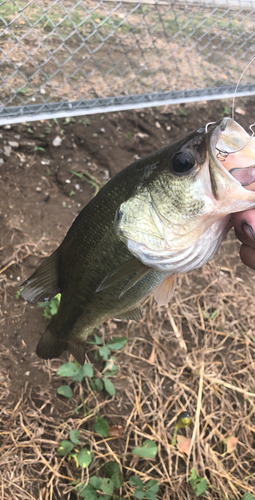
202,343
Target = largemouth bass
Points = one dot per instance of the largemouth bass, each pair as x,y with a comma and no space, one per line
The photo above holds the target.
164,214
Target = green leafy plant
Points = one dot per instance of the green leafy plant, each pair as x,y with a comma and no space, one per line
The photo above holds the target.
198,484
77,372
18,293
104,352
82,456
226,108
102,488
148,450
50,306
101,426
149,490
85,121
38,148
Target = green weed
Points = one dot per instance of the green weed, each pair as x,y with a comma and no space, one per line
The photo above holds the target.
82,456
50,306
93,181
198,484
149,490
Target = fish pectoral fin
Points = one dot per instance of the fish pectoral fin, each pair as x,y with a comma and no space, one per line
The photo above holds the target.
43,284
165,291
134,314
120,273
138,277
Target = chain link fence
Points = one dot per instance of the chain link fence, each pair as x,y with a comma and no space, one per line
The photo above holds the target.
71,57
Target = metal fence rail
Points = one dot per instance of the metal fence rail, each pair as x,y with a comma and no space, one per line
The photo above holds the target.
71,57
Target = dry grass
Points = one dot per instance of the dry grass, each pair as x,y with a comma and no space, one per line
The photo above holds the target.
196,355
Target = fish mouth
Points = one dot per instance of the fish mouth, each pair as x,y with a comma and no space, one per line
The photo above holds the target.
232,151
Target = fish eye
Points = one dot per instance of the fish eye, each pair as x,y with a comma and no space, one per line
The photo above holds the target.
182,162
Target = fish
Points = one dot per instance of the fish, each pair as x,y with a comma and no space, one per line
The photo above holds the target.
164,214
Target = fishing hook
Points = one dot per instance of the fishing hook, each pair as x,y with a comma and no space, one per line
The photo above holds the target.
207,125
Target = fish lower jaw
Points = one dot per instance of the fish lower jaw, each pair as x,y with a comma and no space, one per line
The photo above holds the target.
184,260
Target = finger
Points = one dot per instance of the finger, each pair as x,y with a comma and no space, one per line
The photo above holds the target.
244,238
243,219
247,255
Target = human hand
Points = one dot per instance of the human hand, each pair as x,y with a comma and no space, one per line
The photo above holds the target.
244,224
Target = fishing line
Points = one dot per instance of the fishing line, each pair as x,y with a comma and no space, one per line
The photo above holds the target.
237,85
222,155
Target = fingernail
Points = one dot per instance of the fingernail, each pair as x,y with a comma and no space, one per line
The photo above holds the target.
247,229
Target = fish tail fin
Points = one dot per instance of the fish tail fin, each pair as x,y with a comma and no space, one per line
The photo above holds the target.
43,284
77,349
50,346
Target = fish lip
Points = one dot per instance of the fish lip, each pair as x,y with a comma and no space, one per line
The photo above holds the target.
220,127
214,152
215,136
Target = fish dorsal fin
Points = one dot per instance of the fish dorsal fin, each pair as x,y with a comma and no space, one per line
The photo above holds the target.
134,314
43,284
120,273
165,291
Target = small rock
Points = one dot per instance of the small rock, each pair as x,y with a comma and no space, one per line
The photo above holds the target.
17,136
1,161
45,162
7,127
168,127
102,130
38,189
68,181
77,186
57,141
27,374
13,144
7,150
27,143
106,175
141,135
157,124
240,111
42,91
